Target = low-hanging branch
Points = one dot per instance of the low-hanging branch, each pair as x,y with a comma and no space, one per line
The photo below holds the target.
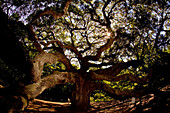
35,89
115,91
110,74
107,74
130,77
119,92
52,58
116,68
22,95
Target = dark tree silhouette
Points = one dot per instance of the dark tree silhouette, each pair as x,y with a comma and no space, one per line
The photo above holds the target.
94,40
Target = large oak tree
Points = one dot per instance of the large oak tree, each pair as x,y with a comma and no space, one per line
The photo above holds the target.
94,40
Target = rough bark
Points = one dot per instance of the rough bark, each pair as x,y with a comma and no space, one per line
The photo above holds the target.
52,58
109,73
17,101
35,89
119,92
84,84
81,96
130,77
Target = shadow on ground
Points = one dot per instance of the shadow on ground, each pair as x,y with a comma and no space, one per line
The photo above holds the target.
150,103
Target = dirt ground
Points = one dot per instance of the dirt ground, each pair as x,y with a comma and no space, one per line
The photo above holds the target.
115,106
41,106
147,104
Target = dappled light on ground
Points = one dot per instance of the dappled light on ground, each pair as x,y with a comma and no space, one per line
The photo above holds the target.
41,106
146,104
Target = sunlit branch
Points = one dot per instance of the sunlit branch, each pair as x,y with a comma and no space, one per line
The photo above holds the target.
35,89
52,58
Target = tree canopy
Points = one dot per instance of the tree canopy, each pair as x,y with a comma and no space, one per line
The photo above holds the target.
99,44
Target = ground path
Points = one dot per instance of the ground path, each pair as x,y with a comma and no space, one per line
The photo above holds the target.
41,106
149,103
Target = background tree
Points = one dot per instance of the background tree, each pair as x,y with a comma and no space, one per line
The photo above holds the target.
121,41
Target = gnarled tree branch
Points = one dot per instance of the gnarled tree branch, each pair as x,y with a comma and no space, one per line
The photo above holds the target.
19,101
113,37
130,77
53,13
72,48
35,89
32,37
52,58
110,74
107,74
115,91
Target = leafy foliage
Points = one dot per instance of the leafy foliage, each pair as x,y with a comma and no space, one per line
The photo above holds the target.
85,32
100,96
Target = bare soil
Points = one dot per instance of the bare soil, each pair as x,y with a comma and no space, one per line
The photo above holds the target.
147,104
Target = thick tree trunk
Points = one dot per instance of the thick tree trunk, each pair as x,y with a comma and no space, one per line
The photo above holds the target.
81,95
